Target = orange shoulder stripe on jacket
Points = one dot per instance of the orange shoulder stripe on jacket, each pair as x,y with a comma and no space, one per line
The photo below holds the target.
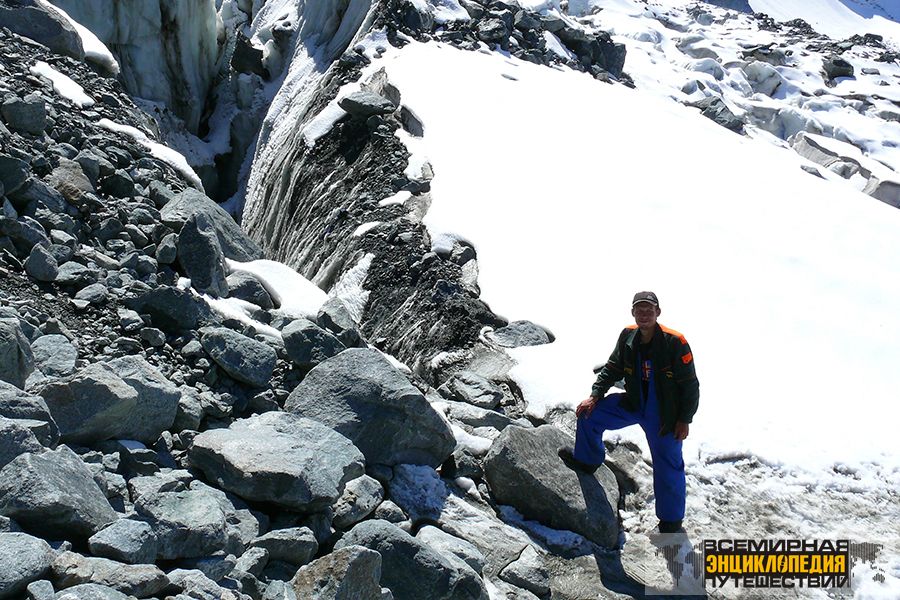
631,326
677,334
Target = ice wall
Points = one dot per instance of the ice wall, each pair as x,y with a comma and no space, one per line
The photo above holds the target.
167,49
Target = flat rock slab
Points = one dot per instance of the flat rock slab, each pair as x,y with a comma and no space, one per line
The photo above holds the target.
71,569
23,559
171,309
278,457
53,494
243,358
16,404
188,524
359,394
126,540
411,569
54,355
16,438
525,472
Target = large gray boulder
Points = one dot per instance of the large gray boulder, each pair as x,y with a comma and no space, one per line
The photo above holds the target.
249,288
171,309
69,179
235,244
359,394
348,573
307,344
43,24
126,540
23,559
525,472
16,404
450,545
53,494
16,438
54,355
126,398
294,545
243,358
413,570
364,104
188,523
41,265
472,388
361,496
278,457
201,255
70,569
16,358
521,333
26,115
91,591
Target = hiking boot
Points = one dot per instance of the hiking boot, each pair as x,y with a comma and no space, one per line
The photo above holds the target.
573,463
670,527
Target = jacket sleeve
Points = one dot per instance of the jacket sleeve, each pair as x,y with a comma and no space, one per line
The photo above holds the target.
612,371
685,379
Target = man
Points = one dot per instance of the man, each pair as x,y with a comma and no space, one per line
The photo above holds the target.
661,395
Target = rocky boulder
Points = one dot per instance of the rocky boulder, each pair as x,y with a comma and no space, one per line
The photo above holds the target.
234,243
201,255
525,472
348,573
16,358
40,22
26,115
243,358
307,344
188,523
70,569
472,388
247,287
23,559
359,394
53,494
411,569
126,398
16,438
54,355
171,309
364,104
16,404
277,457
41,265
126,540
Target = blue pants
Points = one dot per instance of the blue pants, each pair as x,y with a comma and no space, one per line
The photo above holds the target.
665,450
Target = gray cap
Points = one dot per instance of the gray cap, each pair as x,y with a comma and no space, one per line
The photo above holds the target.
645,297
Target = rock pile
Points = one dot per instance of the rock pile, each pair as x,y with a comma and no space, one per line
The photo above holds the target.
152,447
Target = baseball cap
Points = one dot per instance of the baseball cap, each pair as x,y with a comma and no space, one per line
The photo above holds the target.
645,297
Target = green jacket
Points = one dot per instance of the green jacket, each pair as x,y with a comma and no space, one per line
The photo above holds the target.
677,388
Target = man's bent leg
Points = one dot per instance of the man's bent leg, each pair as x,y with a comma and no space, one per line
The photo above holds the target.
607,414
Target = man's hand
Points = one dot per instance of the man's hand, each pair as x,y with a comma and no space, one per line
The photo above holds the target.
585,407
681,430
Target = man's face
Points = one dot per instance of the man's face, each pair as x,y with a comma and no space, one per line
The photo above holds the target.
645,314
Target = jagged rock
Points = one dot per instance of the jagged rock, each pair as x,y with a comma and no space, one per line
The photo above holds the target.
520,333
836,66
359,499
492,31
76,275
167,250
763,77
216,567
171,309
201,255
126,540
16,358
474,416
295,545
247,287
16,404
472,388
70,180
23,559
43,24
91,591
450,545
95,293
277,457
188,523
118,185
427,498
247,58
194,584
126,398
26,115
528,572
153,336
40,590
41,265
53,494
364,104
15,439
410,568
348,573
712,107
307,344
390,512
24,233
14,173
243,358
54,355
234,243
335,317
359,394
524,471
253,561
70,569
